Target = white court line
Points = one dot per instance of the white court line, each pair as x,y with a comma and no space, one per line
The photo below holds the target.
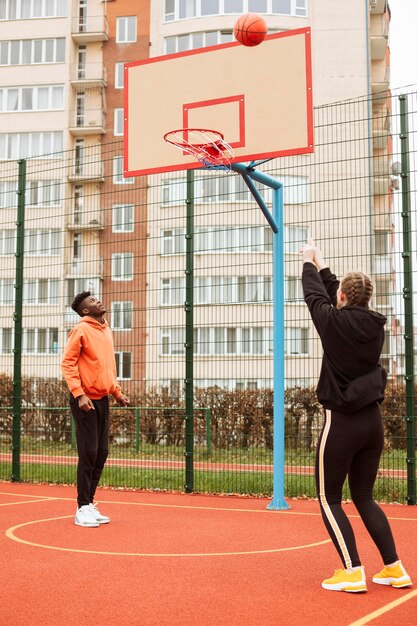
10,534
384,609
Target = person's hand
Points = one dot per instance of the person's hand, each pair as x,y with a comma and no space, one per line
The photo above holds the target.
85,403
312,254
308,250
319,262
123,400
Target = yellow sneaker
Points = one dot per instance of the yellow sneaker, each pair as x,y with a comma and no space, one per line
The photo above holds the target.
395,576
342,580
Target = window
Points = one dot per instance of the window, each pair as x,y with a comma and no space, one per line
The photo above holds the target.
382,239
172,341
122,218
296,189
293,289
296,341
294,238
234,239
22,51
6,340
43,193
173,241
118,122
254,288
192,41
219,340
8,194
118,167
77,285
382,291
174,191
121,315
125,29
7,241
209,7
123,365
187,8
7,292
43,242
25,145
172,291
40,341
119,71
29,9
41,291
122,266
169,10
183,9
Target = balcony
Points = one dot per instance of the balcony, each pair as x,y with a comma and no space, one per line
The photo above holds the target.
88,75
382,182
379,37
86,172
381,128
378,7
380,79
86,221
87,122
90,266
87,29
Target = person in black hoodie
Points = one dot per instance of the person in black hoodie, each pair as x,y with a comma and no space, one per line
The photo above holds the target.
350,388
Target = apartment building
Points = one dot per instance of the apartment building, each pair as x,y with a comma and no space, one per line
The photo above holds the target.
62,92
232,344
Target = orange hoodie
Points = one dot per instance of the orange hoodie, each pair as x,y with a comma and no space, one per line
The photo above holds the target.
88,363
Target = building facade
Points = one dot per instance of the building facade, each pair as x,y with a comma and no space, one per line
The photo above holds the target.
88,227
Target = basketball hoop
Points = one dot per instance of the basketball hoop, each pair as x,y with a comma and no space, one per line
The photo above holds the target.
208,146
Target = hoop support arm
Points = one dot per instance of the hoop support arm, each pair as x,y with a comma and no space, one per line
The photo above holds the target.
248,173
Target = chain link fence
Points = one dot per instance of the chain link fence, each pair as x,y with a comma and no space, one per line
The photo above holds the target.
70,222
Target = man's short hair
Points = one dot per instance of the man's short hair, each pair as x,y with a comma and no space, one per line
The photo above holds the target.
78,300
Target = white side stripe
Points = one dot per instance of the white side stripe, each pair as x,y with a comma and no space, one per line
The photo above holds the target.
322,493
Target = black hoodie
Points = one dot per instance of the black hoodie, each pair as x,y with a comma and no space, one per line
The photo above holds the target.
352,338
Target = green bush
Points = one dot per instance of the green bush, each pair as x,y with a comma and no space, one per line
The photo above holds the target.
239,418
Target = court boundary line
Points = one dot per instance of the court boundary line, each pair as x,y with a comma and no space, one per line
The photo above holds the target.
10,535
203,508
366,619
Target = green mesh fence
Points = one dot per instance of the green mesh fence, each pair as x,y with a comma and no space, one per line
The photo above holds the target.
86,227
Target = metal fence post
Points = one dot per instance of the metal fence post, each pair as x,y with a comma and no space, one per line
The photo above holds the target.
208,429
18,322
189,339
408,302
137,430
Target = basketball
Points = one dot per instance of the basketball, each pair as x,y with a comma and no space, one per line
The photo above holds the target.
250,29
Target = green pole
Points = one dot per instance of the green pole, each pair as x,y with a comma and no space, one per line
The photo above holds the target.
189,330
408,302
208,429
18,322
137,431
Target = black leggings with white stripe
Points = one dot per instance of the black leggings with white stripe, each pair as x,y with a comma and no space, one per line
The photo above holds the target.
350,445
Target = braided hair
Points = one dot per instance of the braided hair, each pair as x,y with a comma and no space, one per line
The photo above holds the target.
357,288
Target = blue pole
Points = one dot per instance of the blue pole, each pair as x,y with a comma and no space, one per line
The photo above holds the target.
276,221
278,500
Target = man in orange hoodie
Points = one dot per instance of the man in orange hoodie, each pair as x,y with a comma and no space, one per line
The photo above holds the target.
89,368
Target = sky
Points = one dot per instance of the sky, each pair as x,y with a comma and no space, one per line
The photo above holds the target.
403,42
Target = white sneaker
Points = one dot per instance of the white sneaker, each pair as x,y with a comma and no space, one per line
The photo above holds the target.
99,517
84,517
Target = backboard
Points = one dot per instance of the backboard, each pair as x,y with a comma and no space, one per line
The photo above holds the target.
260,98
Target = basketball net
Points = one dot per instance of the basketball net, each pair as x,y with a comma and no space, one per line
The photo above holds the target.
208,146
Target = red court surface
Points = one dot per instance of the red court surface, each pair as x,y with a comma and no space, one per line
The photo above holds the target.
193,560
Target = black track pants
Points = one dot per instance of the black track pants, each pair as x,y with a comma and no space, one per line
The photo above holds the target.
92,434
351,446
